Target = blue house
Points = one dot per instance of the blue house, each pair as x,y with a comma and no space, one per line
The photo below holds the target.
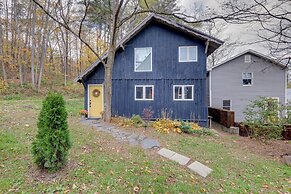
160,64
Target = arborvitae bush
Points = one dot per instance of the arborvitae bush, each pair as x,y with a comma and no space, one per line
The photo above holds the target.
52,143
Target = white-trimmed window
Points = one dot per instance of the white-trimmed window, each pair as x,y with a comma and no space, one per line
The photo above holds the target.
248,58
188,54
247,79
143,59
144,92
226,104
183,92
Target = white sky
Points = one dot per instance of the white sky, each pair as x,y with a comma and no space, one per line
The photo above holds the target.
244,33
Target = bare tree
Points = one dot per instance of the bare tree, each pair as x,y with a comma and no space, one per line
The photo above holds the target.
274,19
1,45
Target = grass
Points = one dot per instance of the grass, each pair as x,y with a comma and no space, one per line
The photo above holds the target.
98,163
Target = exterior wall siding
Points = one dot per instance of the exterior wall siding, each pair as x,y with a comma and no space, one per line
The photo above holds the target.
268,81
166,72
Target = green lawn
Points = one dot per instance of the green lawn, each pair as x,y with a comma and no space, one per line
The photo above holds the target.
98,163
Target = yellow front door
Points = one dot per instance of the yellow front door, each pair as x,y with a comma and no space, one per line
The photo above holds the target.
95,101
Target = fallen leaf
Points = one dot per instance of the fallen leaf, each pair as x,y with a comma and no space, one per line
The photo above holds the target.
265,186
136,189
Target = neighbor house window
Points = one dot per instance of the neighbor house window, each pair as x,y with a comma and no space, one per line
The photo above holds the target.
247,58
247,79
183,92
226,104
144,92
143,59
188,54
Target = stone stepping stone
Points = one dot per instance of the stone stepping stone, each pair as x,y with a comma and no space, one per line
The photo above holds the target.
148,143
200,169
183,160
166,153
132,137
141,137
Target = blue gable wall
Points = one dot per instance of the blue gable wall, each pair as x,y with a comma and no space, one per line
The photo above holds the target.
166,72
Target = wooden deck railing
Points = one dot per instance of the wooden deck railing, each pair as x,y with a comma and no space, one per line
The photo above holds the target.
222,116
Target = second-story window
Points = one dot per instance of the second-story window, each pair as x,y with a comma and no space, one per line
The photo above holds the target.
247,79
188,54
143,59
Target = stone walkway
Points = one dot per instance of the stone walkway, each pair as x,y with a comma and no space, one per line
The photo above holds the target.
132,138
148,143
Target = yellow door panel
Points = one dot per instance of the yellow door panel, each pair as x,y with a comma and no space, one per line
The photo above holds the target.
95,101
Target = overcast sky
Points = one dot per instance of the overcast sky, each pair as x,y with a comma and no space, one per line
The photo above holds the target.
244,33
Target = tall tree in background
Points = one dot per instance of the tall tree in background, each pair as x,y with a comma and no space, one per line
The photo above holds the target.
274,19
1,44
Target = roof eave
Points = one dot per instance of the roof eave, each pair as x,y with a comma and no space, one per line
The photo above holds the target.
214,43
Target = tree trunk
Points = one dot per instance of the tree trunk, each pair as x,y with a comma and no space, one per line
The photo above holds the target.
44,48
108,83
110,62
2,52
33,46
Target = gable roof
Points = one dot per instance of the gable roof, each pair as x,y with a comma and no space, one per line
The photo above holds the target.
250,51
213,43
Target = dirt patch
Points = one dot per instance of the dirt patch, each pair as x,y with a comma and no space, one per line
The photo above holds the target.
274,149
41,175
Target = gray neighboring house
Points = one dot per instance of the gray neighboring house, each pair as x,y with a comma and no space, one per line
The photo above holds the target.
243,78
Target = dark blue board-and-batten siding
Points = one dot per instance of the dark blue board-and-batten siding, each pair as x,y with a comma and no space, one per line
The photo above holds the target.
166,72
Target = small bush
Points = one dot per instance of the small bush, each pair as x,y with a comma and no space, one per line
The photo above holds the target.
265,118
186,127
51,145
166,126
147,114
194,128
137,120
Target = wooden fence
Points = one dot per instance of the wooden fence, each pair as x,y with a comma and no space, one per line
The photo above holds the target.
222,116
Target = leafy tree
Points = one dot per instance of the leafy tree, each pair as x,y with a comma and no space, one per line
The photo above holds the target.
52,143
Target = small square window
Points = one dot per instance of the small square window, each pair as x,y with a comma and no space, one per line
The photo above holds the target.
183,92
248,58
226,104
143,59
188,54
247,79
144,92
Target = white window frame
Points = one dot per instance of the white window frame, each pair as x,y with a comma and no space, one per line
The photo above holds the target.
248,58
183,92
135,50
144,93
230,104
243,79
196,53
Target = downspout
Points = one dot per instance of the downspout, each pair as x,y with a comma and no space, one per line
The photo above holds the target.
210,87
209,84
